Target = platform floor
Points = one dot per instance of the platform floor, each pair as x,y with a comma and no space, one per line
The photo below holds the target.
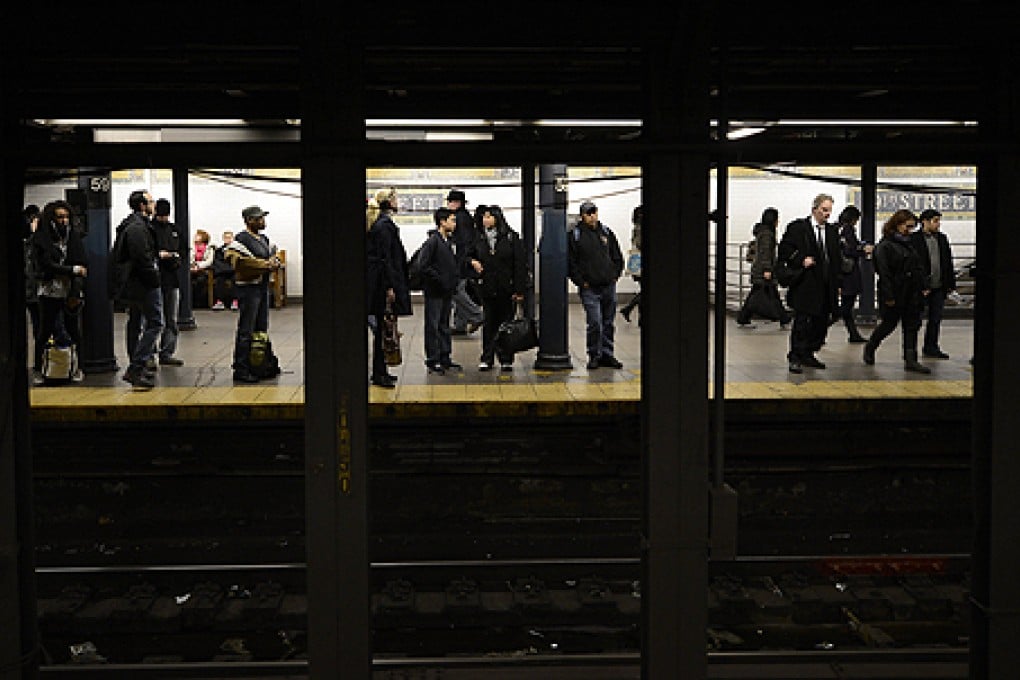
756,368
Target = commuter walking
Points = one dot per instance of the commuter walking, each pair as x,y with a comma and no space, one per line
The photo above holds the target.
386,272
253,257
440,275
135,252
498,258
60,257
467,311
900,289
636,219
168,244
939,277
809,250
594,263
763,299
852,249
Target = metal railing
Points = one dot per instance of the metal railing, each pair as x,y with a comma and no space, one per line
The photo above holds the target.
738,275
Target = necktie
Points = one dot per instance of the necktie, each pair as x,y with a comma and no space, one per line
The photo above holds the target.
821,241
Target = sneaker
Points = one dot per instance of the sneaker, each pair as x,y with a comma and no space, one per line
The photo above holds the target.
484,366
78,375
454,366
139,379
609,361
234,306
170,361
437,369
218,305
37,378
593,363
506,368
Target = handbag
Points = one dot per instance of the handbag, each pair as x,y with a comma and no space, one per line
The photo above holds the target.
518,334
634,263
391,339
59,362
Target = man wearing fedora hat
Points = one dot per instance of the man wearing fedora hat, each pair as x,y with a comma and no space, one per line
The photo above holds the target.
467,314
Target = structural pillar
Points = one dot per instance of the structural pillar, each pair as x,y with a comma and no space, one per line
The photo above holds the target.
553,349
869,204
182,220
97,350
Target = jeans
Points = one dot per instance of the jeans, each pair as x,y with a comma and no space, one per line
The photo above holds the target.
253,304
171,306
599,309
465,310
935,304
437,329
144,327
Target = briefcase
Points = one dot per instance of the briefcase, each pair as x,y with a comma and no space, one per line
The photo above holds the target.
518,334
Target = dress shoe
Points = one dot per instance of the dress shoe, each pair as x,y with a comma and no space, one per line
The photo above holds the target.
625,313
170,361
593,363
245,377
453,365
811,362
383,381
745,324
795,367
869,354
935,354
391,377
609,361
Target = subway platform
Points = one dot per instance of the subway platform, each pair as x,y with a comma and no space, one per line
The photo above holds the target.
756,375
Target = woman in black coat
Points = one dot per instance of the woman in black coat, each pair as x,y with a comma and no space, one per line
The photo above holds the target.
853,249
498,259
386,272
60,263
900,289
763,299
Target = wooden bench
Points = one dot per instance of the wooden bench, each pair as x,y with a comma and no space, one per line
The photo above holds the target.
277,283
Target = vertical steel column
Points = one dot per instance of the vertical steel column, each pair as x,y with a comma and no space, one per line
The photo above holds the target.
97,352
19,638
528,229
868,206
674,349
182,220
336,348
995,610
553,348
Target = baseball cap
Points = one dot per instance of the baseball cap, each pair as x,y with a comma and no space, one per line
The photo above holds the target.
253,211
588,207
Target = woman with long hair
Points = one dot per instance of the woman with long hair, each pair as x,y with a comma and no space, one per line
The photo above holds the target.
763,299
852,249
900,289
386,272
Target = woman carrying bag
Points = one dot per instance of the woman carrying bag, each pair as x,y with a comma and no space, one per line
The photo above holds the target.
497,259
386,271
764,299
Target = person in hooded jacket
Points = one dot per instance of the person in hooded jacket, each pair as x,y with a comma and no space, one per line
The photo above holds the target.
386,277
60,258
497,258
764,295
901,289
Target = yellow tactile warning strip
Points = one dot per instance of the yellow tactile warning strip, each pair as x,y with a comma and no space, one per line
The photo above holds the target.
502,399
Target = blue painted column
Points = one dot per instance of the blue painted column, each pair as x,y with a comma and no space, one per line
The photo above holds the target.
553,351
97,355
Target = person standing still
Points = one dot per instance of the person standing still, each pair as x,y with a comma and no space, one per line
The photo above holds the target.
168,243
386,277
141,292
810,250
253,258
467,313
594,264
940,277
440,274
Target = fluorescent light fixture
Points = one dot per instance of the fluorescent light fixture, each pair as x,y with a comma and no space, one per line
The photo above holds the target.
426,122
870,123
144,122
740,133
450,136
588,123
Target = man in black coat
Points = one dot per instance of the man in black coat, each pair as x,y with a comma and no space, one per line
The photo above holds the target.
939,276
810,251
467,312
141,293
440,273
168,245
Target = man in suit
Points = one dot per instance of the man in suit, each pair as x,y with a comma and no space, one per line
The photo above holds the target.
810,250
932,247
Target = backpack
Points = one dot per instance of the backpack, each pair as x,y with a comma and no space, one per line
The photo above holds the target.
117,270
261,361
752,250
415,280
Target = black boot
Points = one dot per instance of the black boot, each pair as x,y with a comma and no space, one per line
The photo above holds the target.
910,362
869,353
855,336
